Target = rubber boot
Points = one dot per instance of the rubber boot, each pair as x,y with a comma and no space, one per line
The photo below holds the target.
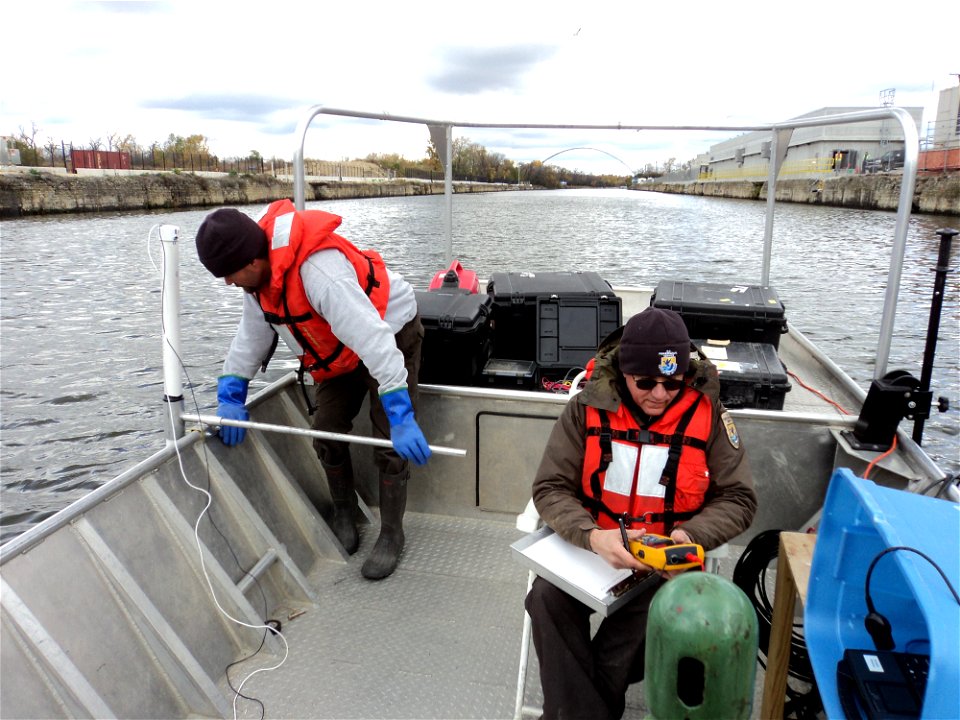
344,523
386,552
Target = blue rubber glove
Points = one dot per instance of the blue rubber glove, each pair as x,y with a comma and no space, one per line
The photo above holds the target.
405,434
232,394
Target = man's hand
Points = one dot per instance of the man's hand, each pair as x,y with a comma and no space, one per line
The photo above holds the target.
608,544
405,433
679,536
231,395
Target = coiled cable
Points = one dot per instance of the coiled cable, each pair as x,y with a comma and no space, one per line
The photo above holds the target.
750,575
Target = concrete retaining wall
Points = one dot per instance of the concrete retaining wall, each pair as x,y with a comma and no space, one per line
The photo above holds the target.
39,193
934,194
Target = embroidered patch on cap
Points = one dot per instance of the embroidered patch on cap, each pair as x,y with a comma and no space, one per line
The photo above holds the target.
668,362
732,435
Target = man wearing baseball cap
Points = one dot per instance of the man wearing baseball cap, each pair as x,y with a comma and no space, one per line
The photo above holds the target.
354,326
647,442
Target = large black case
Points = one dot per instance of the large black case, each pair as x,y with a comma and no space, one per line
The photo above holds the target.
751,374
742,313
456,340
556,319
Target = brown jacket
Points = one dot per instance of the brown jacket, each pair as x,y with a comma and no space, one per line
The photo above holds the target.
730,503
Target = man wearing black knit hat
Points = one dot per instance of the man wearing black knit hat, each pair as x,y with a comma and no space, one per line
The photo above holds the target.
646,441
355,328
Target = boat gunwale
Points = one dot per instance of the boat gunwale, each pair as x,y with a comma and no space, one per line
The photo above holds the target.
36,534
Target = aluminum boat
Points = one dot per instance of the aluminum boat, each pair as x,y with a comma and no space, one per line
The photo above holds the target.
205,582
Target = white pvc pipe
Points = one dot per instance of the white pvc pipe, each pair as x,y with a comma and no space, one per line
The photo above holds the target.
170,336
448,195
323,435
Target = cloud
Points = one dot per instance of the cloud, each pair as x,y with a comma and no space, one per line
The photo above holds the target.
128,7
185,67
469,71
245,108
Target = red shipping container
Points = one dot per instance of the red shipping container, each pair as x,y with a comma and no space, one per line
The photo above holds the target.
100,159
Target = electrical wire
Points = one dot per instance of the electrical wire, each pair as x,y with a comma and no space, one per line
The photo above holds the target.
873,463
750,575
266,627
816,392
893,548
943,482
555,386
561,386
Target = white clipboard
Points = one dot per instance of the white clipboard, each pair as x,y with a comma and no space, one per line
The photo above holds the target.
578,572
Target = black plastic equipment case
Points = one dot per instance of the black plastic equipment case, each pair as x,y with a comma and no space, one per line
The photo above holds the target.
742,313
751,374
456,340
513,374
556,319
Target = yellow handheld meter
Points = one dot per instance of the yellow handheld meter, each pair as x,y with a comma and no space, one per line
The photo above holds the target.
662,553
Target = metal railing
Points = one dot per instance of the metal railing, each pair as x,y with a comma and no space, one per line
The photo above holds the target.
441,132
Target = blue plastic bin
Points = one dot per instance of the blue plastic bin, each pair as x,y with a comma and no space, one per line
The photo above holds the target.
861,519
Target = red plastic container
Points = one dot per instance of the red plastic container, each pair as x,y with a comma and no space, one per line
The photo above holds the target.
456,276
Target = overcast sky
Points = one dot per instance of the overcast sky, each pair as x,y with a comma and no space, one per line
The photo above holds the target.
242,73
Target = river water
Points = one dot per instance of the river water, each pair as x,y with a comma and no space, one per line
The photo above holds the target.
80,355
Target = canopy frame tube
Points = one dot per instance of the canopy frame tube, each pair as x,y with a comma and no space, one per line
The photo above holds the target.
780,138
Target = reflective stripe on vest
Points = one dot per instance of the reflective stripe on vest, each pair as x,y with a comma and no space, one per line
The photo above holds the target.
634,473
285,304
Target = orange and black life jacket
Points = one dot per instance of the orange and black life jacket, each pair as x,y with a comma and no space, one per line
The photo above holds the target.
650,477
293,237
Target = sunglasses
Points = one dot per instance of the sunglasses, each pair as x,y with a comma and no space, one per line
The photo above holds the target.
647,383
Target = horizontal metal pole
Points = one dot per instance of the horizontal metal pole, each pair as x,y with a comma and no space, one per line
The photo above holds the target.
320,109
253,574
342,437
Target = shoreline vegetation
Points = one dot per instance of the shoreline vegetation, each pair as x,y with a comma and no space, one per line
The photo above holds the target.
32,192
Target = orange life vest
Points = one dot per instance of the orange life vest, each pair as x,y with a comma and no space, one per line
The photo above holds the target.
293,237
650,477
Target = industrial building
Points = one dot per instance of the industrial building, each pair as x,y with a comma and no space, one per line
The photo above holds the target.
865,147
816,151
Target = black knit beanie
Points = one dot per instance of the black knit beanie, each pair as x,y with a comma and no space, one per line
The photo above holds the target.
655,342
228,241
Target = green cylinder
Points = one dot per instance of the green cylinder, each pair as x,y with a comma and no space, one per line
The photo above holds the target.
701,656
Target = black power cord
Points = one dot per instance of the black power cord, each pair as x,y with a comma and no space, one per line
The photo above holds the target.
750,575
879,628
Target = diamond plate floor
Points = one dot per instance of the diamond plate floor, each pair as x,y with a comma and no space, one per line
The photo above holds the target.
440,638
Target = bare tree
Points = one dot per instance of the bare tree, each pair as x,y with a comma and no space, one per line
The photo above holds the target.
128,143
29,138
51,148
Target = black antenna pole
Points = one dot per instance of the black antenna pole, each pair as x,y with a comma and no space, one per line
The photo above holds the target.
933,328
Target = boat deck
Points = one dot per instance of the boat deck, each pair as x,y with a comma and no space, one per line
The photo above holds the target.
440,638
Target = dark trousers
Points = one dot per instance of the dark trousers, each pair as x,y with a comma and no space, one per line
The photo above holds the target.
339,399
584,677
